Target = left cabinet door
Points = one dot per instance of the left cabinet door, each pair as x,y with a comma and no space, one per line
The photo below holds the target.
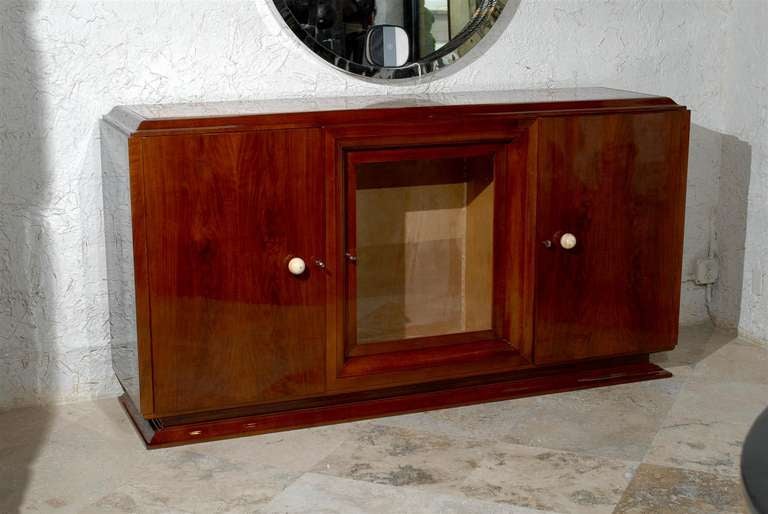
225,213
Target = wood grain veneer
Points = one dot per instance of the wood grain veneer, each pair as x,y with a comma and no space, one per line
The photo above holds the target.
618,183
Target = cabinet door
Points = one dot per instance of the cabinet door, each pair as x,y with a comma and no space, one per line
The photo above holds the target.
617,183
434,231
225,212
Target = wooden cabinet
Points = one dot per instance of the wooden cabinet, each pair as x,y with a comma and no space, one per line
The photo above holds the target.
310,264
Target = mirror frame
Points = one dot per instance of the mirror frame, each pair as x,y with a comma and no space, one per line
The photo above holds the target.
486,16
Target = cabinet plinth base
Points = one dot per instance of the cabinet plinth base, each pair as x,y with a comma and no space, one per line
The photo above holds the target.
173,431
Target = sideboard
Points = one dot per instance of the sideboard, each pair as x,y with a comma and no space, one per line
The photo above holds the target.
288,263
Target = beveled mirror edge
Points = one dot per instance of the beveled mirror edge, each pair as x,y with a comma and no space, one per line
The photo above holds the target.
424,69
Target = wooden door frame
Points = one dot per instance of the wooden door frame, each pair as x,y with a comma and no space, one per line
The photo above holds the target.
358,157
516,139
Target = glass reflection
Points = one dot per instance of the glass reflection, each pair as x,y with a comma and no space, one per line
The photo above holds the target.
343,26
423,232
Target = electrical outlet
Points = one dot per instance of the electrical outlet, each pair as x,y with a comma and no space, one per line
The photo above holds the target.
707,271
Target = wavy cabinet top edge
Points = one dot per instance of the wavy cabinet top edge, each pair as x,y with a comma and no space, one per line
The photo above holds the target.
151,119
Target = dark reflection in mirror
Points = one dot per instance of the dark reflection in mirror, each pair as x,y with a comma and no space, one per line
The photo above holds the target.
347,28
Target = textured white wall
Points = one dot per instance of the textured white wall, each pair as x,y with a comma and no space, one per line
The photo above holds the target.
747,122
63,64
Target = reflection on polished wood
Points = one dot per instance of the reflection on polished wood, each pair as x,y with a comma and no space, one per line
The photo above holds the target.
618,290
235,325
454,296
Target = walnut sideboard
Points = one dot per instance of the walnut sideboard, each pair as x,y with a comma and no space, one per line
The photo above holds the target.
284,264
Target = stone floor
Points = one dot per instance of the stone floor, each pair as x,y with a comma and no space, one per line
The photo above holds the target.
663,446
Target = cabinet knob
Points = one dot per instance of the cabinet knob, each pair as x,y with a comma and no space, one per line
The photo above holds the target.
567,240
297,266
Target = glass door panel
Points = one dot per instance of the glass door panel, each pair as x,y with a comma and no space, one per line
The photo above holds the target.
421,245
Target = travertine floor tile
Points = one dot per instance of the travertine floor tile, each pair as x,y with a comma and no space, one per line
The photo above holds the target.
567,453
706,426
517,475
20,426
297,450
28,425
617,422
191,482
397,456
662,490
695,343
549,480
323,494
736,361
69,467
106,417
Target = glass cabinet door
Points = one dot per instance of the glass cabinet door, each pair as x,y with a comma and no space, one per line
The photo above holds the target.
430,251
421,248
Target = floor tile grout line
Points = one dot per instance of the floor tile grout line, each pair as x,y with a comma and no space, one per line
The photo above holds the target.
685,380
691,378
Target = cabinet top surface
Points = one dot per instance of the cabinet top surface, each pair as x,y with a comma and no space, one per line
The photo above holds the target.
166,116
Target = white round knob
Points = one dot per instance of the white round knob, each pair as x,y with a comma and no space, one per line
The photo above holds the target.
567,240
297,266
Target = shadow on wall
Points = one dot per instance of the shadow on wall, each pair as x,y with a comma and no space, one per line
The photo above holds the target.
25,277
718,178
731,231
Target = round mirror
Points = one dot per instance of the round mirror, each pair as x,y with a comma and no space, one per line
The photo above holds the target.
390,39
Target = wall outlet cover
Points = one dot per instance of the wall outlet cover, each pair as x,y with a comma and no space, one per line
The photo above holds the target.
707,271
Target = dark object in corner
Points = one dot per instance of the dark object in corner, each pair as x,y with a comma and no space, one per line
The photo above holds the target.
754,465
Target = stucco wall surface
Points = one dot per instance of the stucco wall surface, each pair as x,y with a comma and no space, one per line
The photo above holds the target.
746,121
